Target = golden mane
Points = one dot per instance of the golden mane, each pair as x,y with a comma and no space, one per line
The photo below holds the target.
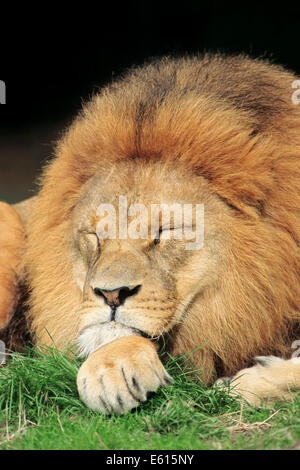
230,120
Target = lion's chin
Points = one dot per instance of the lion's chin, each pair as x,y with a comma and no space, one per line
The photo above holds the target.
96,335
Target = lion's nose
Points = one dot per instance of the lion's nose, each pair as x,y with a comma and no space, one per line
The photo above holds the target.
116,297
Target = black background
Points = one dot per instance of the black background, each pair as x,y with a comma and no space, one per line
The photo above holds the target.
52,59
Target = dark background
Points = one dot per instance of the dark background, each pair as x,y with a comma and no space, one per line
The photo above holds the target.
52,60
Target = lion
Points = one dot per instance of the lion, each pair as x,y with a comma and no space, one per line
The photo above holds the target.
214,130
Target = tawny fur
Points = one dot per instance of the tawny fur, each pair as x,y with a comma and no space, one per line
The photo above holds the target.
228,120
12,242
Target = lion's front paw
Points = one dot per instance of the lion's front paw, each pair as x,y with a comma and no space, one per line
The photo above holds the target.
119,375
271,379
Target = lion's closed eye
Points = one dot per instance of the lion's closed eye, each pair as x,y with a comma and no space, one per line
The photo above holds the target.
89,245
165,233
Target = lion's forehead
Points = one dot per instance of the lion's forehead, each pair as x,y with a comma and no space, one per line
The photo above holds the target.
141,192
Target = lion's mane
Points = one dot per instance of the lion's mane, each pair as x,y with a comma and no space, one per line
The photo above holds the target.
229,119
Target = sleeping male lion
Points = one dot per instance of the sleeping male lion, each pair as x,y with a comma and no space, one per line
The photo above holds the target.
216,131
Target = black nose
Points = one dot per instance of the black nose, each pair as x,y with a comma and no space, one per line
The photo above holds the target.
116,297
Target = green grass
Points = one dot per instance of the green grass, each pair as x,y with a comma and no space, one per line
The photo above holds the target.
40,409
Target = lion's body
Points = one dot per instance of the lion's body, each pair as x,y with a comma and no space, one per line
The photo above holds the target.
231,133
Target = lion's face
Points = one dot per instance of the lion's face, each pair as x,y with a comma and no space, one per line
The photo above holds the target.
143,284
